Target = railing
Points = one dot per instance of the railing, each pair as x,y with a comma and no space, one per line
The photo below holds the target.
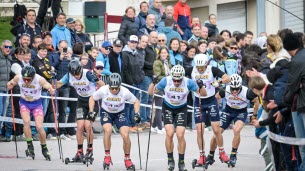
98,43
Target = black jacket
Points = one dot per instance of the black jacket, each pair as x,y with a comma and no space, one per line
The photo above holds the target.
84,38
128,27
114,62
43,67
187,61
150,58
212,29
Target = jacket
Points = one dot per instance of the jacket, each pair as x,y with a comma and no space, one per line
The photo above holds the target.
156,12
60,33
212,29
5,69
175,58
182,14
42,67
218,64
132,67
261,132
25,28
169,33
115,62
74,37
61,66
84,38
141,19
231,64
105,60
150,57
187,61
128,27
145,30
159,68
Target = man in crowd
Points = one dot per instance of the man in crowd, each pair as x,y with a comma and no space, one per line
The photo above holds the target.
141,18
149,27
182,14
103,56
155,10
60,31
71,26
115,57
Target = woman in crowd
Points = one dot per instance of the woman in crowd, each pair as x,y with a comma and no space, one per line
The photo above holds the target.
128,26
226,34
174,52
83,37
202,46
183,45
188,56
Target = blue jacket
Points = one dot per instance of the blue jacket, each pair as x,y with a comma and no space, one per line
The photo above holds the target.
231,64
141,20
262,131
60,33
156,12
175,59
169,33
61,66
218,64
105,60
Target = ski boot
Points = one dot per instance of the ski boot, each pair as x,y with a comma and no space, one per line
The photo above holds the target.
181,167
199,163
30,151
45,153
78,158
223,157
232,161
107,161
128,164
88,156
209,161
171,165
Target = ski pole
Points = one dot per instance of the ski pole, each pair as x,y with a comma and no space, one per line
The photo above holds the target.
139,137
200,110
14,124
151,113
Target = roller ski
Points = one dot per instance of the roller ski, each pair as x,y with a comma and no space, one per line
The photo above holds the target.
223,157
128,164
78,158
30,151
209,161
171,165
181,167
45,153
232,161
88,156
199,163
107,162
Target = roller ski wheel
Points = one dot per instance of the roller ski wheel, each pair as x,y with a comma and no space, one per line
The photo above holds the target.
46,154
232,161
199,163
209,161
128,164
88,156
181,167
29,153
171,165
67,161
107,162
78,158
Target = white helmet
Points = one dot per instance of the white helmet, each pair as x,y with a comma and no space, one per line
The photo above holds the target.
201,60
236,81
177,72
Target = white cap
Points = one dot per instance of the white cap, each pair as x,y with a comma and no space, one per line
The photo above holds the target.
133,38
99,63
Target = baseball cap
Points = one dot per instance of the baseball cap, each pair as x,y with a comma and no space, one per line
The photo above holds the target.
70,20
133,38
99,63
236,33
106,44
44,34
118,43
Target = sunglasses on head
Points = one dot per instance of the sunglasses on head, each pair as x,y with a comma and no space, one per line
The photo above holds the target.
235,89
8,47
235,48
114,88
27,79
162,40
99,68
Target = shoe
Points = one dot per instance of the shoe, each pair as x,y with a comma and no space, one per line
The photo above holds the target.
72,137
18,138
202,160
63,137
5,139
154,129
51,137
223,157
159,131
35,137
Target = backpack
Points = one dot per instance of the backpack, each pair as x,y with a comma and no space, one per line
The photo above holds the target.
18,19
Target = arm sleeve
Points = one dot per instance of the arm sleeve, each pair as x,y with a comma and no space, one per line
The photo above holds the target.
222,93
267,121
191,85
176,12
250,95
54,39
161,85
217,72
65,79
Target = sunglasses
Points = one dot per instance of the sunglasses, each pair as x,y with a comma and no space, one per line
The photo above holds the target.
27,79
177,81
235,89
235,48
161,40
114,88
108,48
99,68
201,67
8,47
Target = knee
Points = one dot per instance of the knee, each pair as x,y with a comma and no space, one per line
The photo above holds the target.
26,124
39,128
125,137
88,128
169,136
180,136
107,131
236,131
217,131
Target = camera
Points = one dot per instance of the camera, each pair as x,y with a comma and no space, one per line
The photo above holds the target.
64,50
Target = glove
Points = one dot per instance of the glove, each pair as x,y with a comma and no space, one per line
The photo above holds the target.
94,76
155,79
215,84
91,116
199,83
137,118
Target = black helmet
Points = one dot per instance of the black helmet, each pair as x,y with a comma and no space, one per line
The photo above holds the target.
115,80
75,67
28,71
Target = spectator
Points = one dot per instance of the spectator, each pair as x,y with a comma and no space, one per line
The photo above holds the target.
196,30
211,44
43,9
60,31
235,33
220,41
115,57
132,75
218,59
5,69
226,34
169,31
248,37
36,42
162,40
204,33
183,46
155,10
169,13
262,34
282,33
128,26
231,63
182,14
30,27
82,36
70,24
241,42
141,18
47,40
84,58
174,52
149,27
188,56
27,56
211,25
78,50
92,58
24,42
202,46
103,56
